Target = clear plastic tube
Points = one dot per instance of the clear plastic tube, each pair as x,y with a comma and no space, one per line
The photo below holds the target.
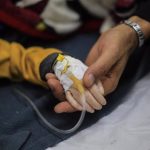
48,124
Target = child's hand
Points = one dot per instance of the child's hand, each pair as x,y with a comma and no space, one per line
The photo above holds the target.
70,72
55,86
69,103
58,92
93,96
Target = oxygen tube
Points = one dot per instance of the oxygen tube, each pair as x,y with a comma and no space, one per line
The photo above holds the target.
78,85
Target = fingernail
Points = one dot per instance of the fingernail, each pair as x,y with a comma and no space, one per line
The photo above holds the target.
92,111
91,80
47,76
99,108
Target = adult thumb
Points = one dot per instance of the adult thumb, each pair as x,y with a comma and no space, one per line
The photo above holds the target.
98,69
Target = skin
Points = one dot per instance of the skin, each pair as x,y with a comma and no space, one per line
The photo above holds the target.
73,100
108,57
106,60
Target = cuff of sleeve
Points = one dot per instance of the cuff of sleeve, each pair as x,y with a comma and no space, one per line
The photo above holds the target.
46,65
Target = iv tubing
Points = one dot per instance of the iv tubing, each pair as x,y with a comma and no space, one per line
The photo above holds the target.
48,124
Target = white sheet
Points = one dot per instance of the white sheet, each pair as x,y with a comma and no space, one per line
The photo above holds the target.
126,128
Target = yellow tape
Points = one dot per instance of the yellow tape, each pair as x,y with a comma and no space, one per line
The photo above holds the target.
77,83
60,57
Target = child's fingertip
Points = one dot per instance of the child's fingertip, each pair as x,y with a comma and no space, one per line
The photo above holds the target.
47,76
57,111
92,111
105,102
99,107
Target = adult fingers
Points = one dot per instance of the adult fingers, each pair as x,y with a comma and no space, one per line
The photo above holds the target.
110,83
99,68
93,54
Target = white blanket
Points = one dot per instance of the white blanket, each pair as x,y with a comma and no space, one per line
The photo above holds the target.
126,128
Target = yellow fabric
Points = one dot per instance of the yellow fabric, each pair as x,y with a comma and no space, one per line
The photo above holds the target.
19,63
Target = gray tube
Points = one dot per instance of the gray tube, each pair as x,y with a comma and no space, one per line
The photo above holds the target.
48,124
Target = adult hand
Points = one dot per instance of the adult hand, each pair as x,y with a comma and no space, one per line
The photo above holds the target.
108,57
107,60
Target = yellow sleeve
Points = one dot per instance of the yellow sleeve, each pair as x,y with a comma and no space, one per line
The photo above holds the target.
17,63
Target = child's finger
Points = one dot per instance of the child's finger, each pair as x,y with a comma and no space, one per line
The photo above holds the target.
77,96
92,101
76,99
56,88
72,101
50,76
97,94
64,107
